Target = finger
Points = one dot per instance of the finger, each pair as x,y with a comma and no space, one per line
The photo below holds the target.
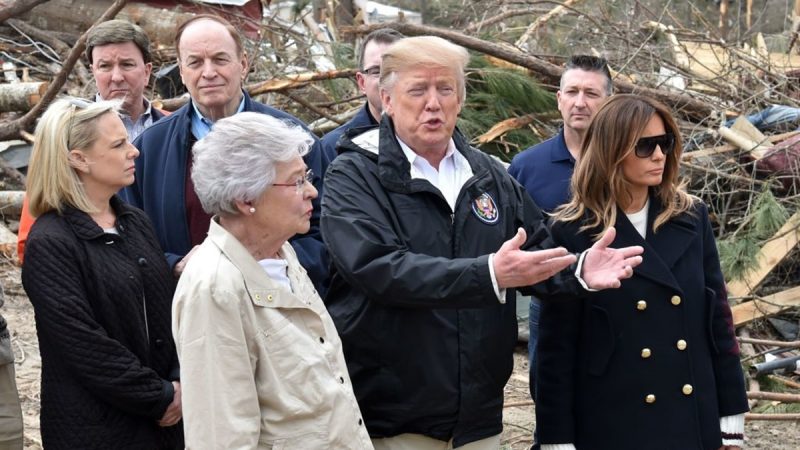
633,261
558,263
634,250
606,240
543,256
516,241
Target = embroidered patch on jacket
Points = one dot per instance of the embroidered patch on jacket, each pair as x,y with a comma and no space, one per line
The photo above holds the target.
485,209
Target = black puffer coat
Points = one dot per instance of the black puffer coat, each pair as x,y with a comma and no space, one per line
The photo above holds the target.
102,305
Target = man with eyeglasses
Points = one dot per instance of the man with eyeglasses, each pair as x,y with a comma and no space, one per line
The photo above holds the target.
546,168
213,66
367,77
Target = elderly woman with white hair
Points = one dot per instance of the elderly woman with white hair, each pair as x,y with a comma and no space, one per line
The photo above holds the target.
261,362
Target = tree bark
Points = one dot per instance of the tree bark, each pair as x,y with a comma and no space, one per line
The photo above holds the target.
12,8
548,73
10,130
53,41
20,96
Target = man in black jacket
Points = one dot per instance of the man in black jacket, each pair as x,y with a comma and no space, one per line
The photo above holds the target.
429,238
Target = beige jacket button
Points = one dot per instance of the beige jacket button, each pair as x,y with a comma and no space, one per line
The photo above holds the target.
641,305
681,345
650,398
675,300
269,298
687,389
646,353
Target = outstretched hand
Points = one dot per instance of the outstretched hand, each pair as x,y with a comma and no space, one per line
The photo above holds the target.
514,267
604,267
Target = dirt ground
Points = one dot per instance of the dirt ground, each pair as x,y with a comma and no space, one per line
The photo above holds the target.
518,420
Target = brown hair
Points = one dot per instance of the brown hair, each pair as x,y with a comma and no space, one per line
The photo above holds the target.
117,32
598,184
379,36
237,38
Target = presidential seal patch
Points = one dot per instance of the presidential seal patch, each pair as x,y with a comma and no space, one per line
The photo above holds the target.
485,209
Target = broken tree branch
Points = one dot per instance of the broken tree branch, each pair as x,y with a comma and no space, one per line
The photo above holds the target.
10,130
550,73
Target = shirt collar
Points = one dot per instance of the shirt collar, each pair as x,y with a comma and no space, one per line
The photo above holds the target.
412,156
201,125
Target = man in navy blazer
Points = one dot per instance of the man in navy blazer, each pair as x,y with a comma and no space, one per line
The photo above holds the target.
367,77
213,66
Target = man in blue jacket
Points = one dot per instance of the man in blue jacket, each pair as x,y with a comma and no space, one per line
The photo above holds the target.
546,168
213,66
369,72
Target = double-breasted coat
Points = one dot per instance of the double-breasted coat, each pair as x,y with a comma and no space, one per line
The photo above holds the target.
651,365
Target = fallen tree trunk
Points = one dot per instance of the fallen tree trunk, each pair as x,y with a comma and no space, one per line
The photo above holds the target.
774,396
14,8
21,96
549,73
11,203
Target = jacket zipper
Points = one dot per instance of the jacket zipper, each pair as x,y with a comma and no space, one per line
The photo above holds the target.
146,326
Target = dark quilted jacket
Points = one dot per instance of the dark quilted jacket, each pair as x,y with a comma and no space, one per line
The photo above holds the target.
102,304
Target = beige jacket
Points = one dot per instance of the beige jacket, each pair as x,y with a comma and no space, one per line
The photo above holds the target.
261,367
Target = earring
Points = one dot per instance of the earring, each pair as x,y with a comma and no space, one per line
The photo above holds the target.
252,210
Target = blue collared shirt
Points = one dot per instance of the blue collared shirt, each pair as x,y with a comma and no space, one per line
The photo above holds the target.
545,170
201,125
134,129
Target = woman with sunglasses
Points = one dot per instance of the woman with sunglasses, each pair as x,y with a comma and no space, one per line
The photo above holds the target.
261,361
101,290
654,364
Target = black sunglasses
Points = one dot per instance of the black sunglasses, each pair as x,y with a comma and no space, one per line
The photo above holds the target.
647,145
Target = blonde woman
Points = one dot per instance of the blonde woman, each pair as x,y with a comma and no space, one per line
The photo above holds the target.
100,288
654,364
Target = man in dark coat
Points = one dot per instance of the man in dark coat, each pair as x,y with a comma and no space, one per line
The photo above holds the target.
429,239
213,65
369,71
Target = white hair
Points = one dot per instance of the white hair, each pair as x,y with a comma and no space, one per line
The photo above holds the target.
236,160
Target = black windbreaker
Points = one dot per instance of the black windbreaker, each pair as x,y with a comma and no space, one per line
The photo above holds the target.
428,346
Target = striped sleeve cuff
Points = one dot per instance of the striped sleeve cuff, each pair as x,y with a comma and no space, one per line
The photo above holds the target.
558,447
732,428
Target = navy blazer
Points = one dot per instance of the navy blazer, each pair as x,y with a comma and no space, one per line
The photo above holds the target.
160,186
651,365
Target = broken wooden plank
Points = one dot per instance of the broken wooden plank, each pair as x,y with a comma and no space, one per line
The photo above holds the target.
770,255
771,304
725,148
743,142
755,416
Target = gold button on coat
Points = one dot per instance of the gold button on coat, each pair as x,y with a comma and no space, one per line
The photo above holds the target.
641,305
681,345
269,297
675,300
646,353
650,398
687,389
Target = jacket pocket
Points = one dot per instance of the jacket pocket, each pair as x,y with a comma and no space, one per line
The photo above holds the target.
315,440
711,308
601,340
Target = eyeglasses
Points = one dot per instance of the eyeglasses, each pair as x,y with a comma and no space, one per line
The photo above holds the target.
373,71
75,104
300,182
647,145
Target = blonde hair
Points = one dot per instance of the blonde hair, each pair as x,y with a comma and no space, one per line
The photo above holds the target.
68,124
598,184
426,51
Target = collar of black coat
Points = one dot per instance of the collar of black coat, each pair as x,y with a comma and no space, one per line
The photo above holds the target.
663,248
86,228
381,146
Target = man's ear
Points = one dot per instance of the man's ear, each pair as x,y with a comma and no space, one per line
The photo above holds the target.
386,102
77,160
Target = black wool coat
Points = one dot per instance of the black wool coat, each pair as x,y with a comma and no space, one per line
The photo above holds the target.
652,365
102,304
